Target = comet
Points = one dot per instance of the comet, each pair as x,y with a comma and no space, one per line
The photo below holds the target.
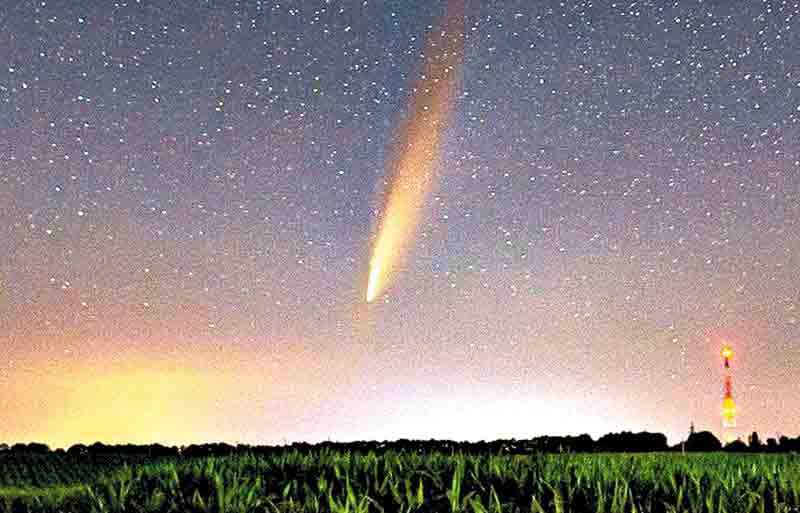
416,147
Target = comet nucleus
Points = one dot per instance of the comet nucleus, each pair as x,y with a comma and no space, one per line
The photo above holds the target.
416,148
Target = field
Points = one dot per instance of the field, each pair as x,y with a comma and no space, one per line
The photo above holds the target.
338,482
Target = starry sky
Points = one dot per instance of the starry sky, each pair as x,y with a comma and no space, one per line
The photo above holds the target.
189,194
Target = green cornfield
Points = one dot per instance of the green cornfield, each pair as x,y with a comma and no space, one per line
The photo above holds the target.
338,482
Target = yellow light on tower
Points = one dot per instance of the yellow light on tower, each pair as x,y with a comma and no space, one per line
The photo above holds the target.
727,352
728,405
728,412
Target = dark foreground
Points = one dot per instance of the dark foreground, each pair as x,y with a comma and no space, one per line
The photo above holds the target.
338,481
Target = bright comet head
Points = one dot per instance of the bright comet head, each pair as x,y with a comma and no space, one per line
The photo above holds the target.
373,283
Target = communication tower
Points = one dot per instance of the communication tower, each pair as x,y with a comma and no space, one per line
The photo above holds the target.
728,405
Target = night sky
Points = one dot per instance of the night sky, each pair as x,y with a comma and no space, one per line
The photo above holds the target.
189,195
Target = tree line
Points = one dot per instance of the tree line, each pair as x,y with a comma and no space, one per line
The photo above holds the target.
626,441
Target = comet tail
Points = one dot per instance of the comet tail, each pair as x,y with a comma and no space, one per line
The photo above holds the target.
416,148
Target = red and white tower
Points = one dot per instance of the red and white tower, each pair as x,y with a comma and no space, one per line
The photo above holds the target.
728,405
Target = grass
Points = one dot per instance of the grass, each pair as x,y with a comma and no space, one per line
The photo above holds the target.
342,482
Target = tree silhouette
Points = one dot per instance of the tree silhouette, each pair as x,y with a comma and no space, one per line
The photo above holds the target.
736,446
632,442
772,445
703,441
754,442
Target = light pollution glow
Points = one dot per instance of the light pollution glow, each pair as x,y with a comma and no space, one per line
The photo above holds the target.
120,403
220,395
417,145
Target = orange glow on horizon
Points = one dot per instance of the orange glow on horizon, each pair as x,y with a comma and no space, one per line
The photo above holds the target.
419,139
130,403
227,393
